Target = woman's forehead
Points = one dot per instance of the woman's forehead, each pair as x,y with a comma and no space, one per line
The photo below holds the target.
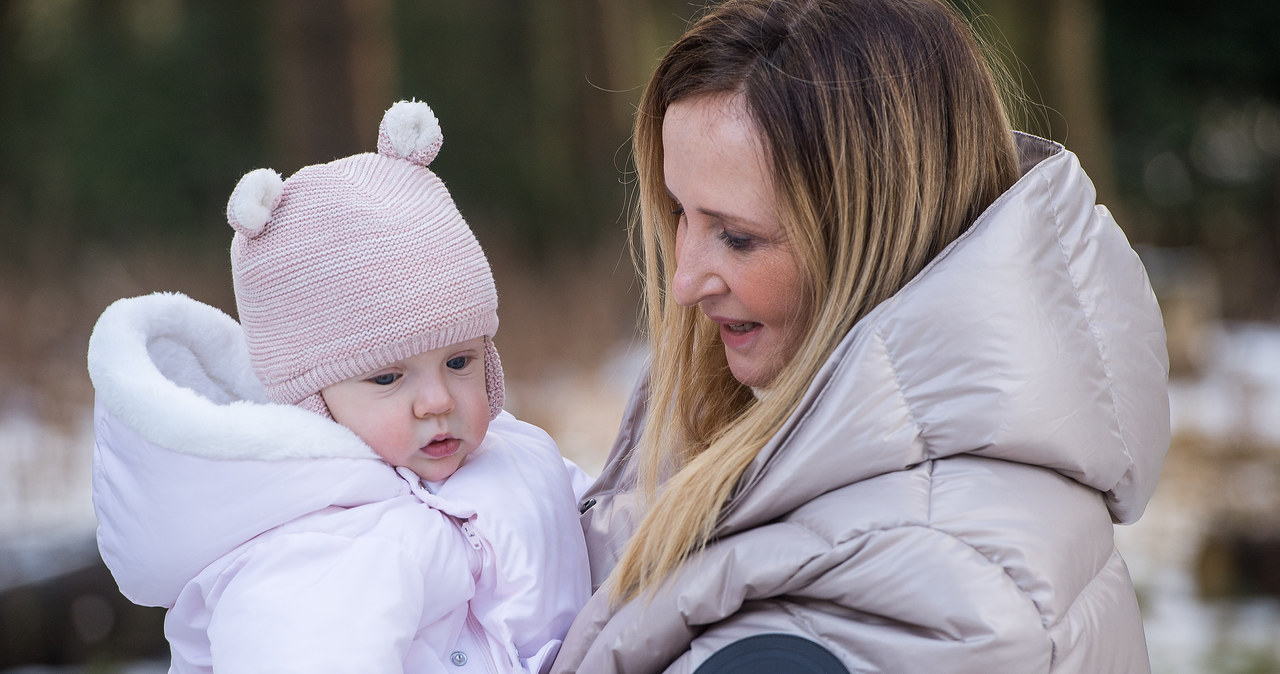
713,159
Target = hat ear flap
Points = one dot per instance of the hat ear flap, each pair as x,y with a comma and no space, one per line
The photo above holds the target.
493,381
252,201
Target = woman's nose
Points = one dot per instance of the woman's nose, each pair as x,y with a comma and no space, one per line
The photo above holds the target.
695,278
433,399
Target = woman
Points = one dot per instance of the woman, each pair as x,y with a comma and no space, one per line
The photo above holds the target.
905,373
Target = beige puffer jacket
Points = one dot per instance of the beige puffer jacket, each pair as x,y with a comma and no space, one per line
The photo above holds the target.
942,499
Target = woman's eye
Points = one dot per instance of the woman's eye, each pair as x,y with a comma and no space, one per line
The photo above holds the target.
734,241
677,210
384,379
457,362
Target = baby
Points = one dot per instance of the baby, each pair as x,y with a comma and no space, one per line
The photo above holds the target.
427,530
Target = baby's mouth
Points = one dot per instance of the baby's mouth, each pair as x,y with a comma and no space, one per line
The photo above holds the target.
442,447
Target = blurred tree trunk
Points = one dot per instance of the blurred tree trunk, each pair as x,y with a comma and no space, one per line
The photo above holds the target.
333,70
1058,46
1075,72
590,62
375,70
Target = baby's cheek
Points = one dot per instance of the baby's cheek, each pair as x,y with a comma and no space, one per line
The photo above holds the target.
387,445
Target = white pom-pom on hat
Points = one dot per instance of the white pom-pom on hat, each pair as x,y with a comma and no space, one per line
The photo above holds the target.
410,131
252,201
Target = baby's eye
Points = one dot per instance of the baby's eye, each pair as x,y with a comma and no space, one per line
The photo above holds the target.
385,379
457,362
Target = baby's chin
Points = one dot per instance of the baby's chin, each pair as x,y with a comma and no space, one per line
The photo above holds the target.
439,469
436,475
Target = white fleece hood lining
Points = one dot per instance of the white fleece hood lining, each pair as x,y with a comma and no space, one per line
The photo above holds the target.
177,371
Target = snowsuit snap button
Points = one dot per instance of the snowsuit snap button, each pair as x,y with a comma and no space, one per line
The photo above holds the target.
458,658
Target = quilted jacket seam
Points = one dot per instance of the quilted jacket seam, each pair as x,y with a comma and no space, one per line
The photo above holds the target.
1088,319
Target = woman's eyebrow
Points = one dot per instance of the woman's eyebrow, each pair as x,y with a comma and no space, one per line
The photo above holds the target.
741,221
731,218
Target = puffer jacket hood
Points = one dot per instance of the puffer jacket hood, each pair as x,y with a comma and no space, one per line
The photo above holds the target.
209,460
1035,338
942,498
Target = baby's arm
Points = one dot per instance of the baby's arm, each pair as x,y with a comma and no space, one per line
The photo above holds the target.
578,478
322,602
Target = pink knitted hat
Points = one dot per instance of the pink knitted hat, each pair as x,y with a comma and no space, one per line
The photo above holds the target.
349,266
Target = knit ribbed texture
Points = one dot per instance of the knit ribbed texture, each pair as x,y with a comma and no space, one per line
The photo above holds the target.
364,261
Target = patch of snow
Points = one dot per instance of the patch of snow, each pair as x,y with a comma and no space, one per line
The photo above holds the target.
1238,395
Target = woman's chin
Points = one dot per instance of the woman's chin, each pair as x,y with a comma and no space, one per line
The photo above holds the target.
755,375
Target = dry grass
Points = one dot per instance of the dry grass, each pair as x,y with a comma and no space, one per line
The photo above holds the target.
49,303
569,346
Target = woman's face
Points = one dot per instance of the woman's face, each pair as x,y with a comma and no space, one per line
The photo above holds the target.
733,259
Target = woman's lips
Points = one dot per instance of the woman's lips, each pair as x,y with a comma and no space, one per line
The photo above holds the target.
439,449
737,334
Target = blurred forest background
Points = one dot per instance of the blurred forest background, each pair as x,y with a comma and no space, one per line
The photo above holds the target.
124,125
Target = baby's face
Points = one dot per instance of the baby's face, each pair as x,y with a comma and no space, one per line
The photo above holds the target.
427,412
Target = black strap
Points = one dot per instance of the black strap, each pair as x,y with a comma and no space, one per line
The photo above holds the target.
772,654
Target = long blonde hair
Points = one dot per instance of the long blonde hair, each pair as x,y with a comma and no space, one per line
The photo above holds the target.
886,137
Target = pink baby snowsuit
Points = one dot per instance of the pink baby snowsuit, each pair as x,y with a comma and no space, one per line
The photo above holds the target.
279,542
